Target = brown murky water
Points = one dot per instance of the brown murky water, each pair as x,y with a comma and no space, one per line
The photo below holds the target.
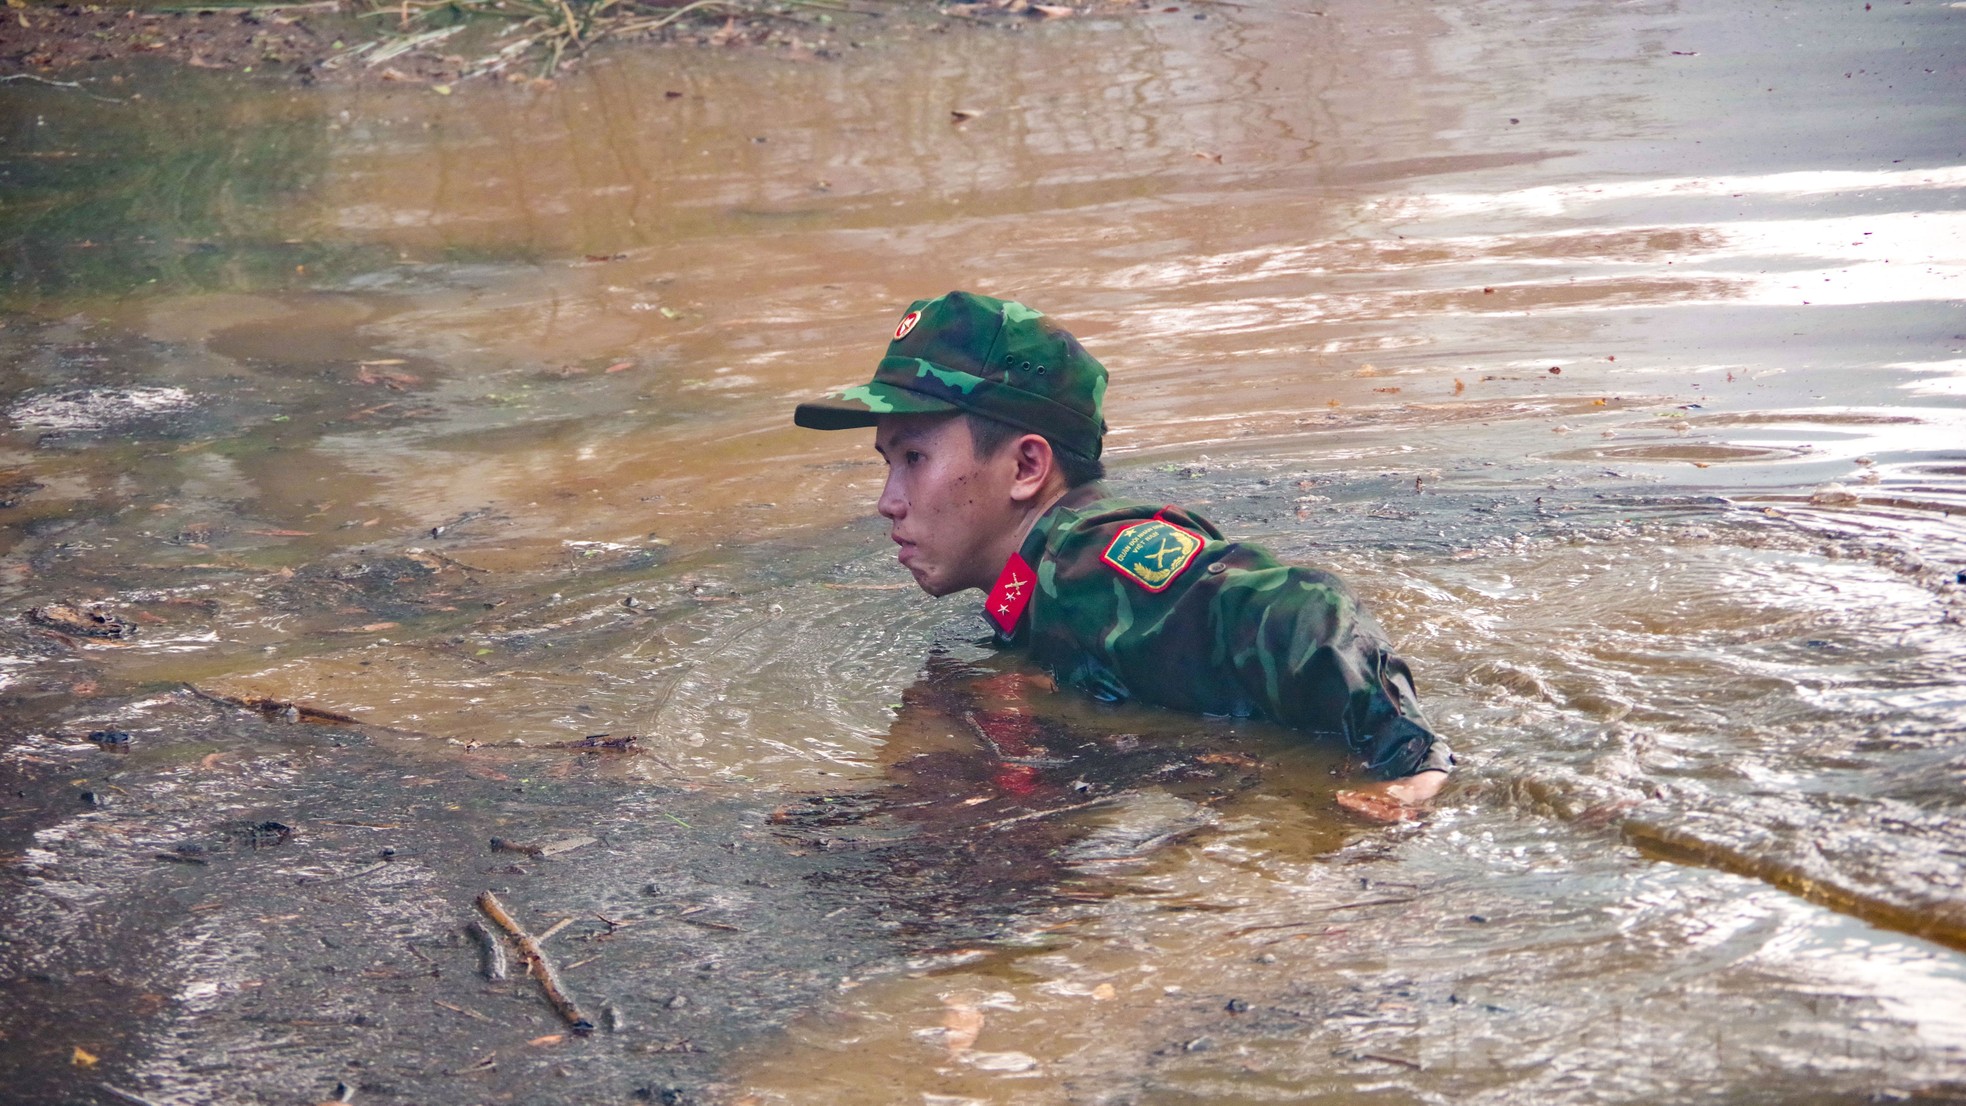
1615,354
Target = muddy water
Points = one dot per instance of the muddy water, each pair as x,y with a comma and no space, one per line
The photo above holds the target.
1616,356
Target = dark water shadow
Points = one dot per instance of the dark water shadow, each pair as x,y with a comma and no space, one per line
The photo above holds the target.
273,899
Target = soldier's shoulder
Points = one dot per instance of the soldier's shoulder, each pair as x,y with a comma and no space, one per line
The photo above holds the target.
1107,514
1151,545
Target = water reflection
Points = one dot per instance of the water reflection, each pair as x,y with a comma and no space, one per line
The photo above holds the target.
192,189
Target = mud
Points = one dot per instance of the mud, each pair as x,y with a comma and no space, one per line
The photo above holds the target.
334,953
96,51
80,41
240,876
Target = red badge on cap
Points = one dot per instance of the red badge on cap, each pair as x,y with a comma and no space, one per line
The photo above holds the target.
908,322
1011,595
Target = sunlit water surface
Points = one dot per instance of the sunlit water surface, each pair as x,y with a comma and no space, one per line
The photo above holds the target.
1615,355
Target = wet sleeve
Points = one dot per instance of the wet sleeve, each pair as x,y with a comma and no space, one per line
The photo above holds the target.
1306,653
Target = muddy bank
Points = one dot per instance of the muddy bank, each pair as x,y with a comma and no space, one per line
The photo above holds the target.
91,48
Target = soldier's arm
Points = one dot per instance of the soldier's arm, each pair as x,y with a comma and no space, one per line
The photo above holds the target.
1310,658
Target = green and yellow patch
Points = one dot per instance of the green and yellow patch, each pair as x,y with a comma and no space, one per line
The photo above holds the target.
1152,553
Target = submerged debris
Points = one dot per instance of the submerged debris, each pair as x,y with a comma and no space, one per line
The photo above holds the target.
491,953
260,835
603,743
280,709
78,621
542,851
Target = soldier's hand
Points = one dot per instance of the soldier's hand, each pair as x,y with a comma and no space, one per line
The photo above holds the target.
1392,800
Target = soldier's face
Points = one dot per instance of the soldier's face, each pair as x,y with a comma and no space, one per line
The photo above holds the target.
950,512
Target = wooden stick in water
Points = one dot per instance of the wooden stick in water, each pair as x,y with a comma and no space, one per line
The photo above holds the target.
537,963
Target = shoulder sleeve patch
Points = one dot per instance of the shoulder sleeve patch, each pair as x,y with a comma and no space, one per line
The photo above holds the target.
1153,553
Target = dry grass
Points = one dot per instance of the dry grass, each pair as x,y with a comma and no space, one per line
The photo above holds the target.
552,31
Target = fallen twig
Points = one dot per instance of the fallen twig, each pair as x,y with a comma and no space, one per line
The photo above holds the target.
566,845
76,85
201,9
601,742
414,42
1036,814
707,925
976,726
295,712
121,1095
460,1010
541,852
552,929
537,964
1396,1060
1246,930
671,17
1262,7
491,954
671,817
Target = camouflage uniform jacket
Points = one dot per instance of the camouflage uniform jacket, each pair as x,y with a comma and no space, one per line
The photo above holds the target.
1126,600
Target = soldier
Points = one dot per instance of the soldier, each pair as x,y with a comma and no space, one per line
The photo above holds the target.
989,417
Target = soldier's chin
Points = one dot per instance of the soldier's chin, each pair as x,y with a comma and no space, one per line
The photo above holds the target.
937,588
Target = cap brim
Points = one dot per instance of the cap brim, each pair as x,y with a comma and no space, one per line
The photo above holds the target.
864,406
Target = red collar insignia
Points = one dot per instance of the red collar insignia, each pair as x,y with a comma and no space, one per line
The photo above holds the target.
1011,595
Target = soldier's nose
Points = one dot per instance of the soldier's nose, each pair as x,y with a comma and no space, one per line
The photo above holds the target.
891,505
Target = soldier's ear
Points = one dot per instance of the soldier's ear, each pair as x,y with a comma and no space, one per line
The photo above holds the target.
1037,468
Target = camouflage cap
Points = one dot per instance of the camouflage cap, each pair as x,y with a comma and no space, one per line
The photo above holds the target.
989,357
